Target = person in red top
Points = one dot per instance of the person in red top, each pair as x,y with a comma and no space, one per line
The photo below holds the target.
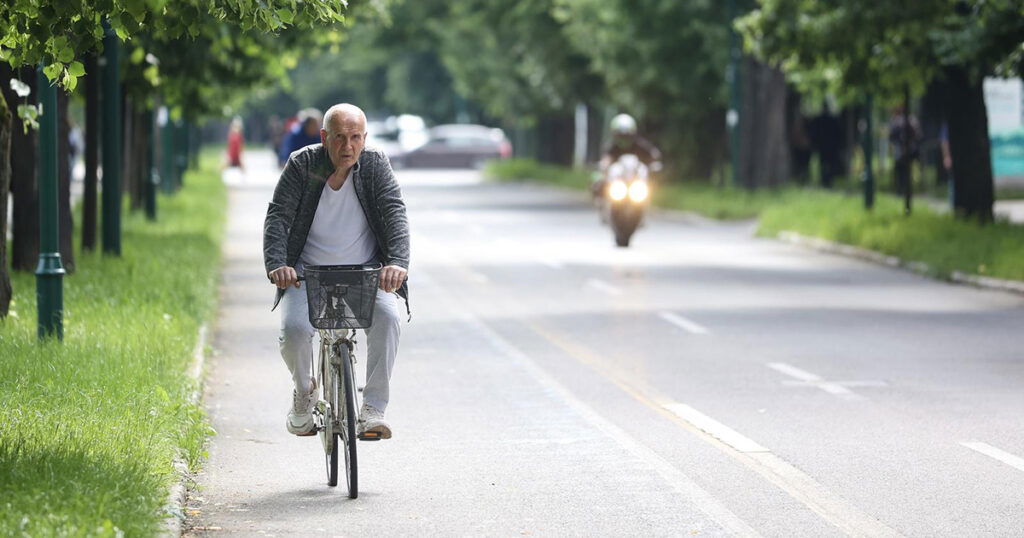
235,143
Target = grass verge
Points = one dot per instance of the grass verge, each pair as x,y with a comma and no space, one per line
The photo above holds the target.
89,427
942,242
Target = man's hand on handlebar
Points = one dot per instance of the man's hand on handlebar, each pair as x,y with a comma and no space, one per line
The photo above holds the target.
391,277
284,276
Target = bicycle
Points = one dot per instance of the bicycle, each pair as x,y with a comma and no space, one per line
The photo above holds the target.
341,299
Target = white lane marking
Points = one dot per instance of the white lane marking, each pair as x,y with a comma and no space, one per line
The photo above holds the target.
551,263
678,480
831,507
603,286
683,323
993,452
714,428
814,380
798,484
793,371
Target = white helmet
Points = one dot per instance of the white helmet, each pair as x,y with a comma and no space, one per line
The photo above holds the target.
623,124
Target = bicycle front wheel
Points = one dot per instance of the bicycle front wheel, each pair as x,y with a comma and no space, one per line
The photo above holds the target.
348,429
330,433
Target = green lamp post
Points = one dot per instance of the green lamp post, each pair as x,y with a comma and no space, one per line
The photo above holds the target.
111,143
50,271
867,145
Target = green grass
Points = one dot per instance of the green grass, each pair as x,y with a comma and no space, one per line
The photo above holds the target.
941,241
531,170
725,203
944,243
89,427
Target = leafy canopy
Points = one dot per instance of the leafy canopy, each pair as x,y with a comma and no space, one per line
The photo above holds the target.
847,47
54,33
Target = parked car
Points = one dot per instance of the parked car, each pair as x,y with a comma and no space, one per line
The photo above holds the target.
381,136
457,146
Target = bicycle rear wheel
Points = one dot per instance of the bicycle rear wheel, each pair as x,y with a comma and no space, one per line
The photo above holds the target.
348,427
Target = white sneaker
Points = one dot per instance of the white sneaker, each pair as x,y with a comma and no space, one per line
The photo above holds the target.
371,425
300,419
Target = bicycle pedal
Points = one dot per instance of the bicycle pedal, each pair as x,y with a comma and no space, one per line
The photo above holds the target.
370,436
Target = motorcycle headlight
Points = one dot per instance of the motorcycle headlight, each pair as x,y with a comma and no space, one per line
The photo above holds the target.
618,190
638,191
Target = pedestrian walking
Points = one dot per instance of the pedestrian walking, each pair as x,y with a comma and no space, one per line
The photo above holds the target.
905,138
304,132
236,142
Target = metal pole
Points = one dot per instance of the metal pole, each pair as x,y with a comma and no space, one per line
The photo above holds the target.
867,145
166,149
181,156
151,175
111,143
732,117
908,193
92,143
50,271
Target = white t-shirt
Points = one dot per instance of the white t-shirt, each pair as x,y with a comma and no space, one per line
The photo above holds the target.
339,234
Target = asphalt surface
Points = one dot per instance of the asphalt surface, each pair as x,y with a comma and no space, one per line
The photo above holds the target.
701,382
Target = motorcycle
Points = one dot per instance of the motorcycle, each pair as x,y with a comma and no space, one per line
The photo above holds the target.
625,197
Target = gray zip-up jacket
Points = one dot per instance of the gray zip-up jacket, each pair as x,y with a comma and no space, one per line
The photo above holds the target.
297,195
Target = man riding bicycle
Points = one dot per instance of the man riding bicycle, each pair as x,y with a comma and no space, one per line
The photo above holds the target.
337,203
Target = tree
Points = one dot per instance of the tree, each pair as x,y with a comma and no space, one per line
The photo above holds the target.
849,48
663,61
5,181
52,33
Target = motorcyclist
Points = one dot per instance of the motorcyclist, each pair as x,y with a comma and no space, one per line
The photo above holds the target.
625,140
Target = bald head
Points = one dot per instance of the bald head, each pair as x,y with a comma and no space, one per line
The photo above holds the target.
344,112
344,134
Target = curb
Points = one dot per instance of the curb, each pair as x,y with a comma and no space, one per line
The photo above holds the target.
921,268
175,507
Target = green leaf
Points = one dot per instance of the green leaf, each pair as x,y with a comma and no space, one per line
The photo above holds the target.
29,115
76,69
286,16
52,71
66,54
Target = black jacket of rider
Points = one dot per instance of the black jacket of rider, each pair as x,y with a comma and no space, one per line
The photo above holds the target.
636,145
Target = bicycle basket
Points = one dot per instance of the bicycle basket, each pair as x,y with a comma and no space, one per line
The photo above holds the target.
342,296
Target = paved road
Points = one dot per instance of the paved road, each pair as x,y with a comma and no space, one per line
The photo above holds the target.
701,382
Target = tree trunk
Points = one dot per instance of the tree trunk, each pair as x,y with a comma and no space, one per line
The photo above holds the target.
64,164
5,182
139,145
128,179
555,135
92,153
973,188
764,150
25,224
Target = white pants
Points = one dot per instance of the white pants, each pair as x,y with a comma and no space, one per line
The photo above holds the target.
381,344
